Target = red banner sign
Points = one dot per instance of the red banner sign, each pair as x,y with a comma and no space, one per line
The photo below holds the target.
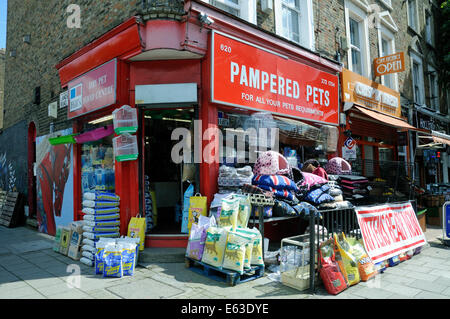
389,230
93,90
252,77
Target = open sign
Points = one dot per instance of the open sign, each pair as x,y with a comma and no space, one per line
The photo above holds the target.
393,63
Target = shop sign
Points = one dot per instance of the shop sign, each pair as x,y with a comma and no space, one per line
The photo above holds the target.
389,230
349,149
389,64
362,91
248,76
64,99
93,90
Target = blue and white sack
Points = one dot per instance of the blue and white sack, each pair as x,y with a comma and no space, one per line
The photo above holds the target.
128,258
101,217
112,256
100,211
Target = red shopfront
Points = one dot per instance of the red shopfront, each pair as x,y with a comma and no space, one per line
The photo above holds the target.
175,73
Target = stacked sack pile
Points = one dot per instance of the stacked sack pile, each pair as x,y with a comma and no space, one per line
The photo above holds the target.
223,239
116,257
231,179
353,187
150,205
101,220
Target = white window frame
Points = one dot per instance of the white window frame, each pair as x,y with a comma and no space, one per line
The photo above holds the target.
416,28
434,91
418,60
358,11
429,28
247,9
387,32
387,4
306,23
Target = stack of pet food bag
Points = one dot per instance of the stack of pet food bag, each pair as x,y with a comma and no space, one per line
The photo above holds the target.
101,220
344,263
223,239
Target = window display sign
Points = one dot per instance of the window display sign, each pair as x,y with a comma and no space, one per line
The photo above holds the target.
389,230
246,75
94,90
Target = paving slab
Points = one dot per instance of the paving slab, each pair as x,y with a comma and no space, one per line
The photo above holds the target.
145,289
430,286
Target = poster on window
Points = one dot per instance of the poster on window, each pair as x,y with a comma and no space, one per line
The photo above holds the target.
54,183
389,230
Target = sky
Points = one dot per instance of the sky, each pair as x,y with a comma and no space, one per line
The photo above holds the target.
3,8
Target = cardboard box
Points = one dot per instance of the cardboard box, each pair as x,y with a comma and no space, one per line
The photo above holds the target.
66,233
76,238
56,245
74,252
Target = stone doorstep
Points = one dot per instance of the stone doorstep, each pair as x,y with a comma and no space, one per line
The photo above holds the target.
161,255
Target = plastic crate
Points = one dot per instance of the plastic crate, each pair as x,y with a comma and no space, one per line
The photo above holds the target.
125,147
125,120
294,262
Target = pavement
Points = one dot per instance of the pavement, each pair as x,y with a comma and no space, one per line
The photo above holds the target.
30,269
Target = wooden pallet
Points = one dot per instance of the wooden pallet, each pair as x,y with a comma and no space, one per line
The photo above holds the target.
11,208
231,277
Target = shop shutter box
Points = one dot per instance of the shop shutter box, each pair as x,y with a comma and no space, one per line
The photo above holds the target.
125,147
125,120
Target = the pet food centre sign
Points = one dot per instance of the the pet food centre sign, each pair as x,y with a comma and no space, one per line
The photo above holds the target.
372,95
389,230
93,90
248,76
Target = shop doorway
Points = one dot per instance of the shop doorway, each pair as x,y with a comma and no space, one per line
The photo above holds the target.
165,181
31,177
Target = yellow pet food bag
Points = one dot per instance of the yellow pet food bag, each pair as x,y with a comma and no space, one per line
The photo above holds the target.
229,213
346,261
365,264
213,252
234,257
136,229
197,206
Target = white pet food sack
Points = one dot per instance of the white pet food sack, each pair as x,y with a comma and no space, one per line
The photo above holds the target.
99,204
100,229
234,256
100,211
245,209
257,254
86,261
89,248
88,255
101,196
101,217
112,256
96,236
102,223
216,239
88,242
229,212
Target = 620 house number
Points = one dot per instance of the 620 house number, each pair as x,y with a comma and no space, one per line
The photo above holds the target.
225,48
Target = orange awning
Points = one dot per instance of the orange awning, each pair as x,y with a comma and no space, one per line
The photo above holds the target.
385,119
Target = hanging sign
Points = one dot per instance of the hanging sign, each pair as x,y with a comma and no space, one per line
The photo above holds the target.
389,64
349,149
389,230
93,90
248,76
